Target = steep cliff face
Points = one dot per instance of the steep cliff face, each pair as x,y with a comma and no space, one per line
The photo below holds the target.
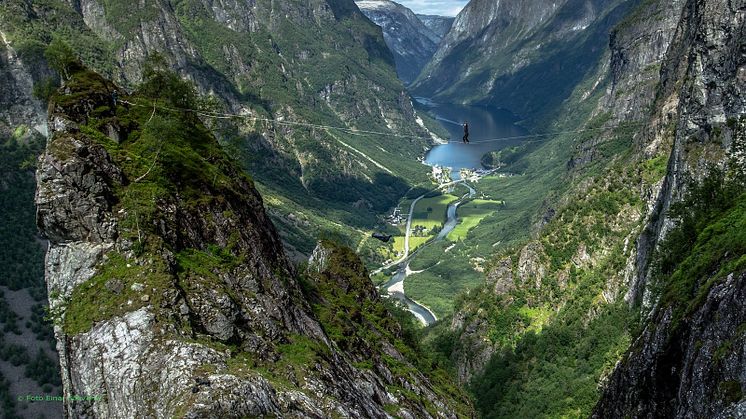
517,54
689,360
631,75
700,102
169,287
18,107
411,42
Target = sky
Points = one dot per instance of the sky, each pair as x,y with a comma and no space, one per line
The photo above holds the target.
434,7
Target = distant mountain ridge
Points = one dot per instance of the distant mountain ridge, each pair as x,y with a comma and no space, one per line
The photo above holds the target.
525,55
440,25
410,40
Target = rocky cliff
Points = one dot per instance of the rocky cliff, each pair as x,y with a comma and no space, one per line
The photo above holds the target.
408,38
170,290
689,360
19,108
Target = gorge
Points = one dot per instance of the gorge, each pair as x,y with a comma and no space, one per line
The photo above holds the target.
210,173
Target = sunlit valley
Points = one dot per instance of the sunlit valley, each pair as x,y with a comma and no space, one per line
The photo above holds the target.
329,208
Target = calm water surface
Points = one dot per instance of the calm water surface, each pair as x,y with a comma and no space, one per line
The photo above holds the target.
485,125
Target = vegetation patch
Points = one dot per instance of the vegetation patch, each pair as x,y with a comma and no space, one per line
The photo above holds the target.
120,286
730,391
708,243
21,255
470,214
655,168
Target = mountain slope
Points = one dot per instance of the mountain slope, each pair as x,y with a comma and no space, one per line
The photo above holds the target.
169,288
640,257
321,62
439,25
525,56
409,39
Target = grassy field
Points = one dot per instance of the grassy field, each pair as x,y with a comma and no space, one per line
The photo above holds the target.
437,287
431,212
470,214
414,242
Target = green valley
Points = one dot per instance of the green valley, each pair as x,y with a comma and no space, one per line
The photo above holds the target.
246,212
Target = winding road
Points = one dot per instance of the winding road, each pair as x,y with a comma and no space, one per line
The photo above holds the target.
395,286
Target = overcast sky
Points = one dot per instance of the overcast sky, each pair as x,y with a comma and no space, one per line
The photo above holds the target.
435,7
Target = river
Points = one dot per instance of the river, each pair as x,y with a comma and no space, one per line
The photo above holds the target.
484,124
395,285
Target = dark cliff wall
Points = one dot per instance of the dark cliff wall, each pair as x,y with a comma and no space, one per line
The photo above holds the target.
689,361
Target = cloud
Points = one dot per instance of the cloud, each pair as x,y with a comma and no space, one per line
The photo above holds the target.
435,7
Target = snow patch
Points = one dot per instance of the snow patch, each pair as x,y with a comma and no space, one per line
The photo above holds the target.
434,137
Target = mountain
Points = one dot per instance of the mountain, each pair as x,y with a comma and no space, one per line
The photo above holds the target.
170,290
624,297
408,38
604,279
321,63
439,25
525,56
688,359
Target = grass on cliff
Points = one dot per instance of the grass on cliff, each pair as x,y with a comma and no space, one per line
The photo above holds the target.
707,244
363,327
120,286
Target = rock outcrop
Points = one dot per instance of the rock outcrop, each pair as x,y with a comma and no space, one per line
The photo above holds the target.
171,292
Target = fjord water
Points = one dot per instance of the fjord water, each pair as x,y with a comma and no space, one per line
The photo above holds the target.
486,127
